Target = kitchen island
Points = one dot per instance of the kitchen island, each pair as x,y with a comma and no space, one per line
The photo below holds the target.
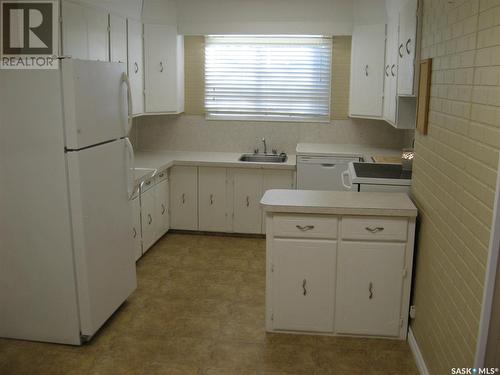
338,263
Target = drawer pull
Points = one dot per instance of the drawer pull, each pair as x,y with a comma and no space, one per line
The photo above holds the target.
135,232
162,209
370,290
304,283
211,199
374,229
305,228
183,198
150,219
248,201
161,175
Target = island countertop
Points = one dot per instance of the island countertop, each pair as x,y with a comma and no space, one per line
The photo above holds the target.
338,203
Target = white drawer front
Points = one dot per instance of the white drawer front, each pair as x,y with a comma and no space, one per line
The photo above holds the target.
374,228
305,226
162,175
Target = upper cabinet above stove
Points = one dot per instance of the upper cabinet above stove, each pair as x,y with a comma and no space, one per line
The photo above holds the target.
384,68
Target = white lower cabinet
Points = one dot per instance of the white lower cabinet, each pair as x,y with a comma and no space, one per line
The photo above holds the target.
303,285
369,288
212,199
136,228
247,213
148,213
162,208
344,275
184,198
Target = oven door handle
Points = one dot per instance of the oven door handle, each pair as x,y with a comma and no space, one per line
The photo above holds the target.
346,177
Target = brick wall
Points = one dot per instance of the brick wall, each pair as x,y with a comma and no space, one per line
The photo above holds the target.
455,175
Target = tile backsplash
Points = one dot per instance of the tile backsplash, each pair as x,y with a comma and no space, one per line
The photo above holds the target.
194,132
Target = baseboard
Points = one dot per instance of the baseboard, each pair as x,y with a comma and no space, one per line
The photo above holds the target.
417,354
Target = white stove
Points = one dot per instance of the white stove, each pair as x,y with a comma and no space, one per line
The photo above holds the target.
375,177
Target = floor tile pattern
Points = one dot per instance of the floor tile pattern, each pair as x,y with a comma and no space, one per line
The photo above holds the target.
199,310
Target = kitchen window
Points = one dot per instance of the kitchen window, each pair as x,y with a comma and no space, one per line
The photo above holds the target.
270,78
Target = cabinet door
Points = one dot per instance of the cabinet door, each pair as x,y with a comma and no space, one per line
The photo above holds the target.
367,71
148,207
98,36
274,179
303,285
247,214
184,198
117,38
390,72
161,59
74,31
162,208
136,229
369,288
135,65
406,47
212,207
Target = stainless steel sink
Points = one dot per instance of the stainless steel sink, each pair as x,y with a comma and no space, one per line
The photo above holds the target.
264,158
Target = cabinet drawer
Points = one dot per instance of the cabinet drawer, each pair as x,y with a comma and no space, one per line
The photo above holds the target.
374,228
305,226
162,175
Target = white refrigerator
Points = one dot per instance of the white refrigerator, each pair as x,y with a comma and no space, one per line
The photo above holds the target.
66,175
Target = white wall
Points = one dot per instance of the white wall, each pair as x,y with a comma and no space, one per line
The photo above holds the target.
327,17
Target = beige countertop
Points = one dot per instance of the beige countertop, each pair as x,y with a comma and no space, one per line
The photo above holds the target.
338,203
332,149
159,160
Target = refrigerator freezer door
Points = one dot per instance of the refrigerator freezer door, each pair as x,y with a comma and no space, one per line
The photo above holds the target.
95,102
102,230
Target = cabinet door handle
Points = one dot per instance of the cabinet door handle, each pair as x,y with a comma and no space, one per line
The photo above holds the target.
374,229
327,165
163,209
366,70
370,290
134,231
150,219
161,66
248,201
392,70
305,228
387,70
211,199
304,290
400,53
408,48
136,70
183,198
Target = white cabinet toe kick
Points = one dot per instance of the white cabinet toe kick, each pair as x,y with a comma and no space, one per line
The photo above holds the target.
338,274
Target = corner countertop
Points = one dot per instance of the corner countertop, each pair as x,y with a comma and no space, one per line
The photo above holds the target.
338,203
159,160
355,150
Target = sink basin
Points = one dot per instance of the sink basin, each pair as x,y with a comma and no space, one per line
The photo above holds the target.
264,158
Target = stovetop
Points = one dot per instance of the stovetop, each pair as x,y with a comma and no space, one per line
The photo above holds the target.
374,170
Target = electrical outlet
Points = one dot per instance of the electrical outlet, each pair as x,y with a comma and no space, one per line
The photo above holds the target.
413,311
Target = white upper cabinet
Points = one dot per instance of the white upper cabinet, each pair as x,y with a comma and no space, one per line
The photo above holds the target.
84,32
74,31
98,37
367,71
212,199
117,38
406,47
391,72
164,69
135,65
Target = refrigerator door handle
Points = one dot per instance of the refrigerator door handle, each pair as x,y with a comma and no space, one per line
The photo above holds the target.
130,168
129,103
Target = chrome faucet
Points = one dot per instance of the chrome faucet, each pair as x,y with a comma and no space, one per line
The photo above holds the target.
265,145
